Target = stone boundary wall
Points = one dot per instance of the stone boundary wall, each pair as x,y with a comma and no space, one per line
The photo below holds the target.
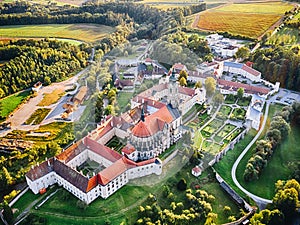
170,157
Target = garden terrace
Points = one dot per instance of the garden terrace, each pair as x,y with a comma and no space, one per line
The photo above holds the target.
224,112
116,144
211,128
223,132
90,168
244,102
238,114
230,99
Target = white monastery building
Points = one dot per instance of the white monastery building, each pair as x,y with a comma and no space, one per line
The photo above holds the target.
90,169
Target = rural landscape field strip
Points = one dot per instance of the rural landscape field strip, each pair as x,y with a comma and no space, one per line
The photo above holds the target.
83,32
249,20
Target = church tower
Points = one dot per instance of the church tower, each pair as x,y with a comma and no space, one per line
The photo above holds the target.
173,90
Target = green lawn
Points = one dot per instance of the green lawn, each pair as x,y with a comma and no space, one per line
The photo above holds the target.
238,113
123,100
83,32
10,103
278,168
224,111
245,101
224,166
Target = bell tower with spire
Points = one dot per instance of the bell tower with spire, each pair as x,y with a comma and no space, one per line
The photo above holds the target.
173,90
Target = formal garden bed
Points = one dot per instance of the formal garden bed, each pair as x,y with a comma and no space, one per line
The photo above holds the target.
238,114
244,102
116,144
224,112
230,99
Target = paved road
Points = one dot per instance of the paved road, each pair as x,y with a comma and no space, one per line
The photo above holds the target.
261,202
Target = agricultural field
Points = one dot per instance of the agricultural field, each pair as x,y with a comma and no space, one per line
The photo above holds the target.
168,4
58,2
82,32
250,20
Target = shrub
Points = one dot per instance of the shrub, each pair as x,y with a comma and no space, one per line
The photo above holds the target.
182,185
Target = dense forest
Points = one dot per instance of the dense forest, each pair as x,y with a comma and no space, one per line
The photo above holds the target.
30,61
279,64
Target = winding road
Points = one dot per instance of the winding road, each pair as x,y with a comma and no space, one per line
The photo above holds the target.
261,202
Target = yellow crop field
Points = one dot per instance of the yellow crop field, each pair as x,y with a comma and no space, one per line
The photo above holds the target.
246,19
268,8
246,24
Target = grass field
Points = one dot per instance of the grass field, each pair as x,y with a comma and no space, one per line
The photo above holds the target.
223,167
51,98
83,32
280,162
10,103
250,20
123,99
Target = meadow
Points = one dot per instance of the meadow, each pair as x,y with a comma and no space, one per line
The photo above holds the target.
250,20
82,32
10,103
51,98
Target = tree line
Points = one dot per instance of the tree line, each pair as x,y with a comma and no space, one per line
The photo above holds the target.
195,208
155,21
279,64
276,134
284,206
30,61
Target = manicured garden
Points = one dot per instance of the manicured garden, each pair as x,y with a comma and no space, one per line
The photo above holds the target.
116,144
224,112
238,114
244,102
123,100
38,116
10,103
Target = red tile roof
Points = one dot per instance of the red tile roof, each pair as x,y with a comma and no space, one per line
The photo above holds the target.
186,91
225,84
148,60
141,130
74,150
178,66
148,101
251,70
128,149
111,172
102,150
196,169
